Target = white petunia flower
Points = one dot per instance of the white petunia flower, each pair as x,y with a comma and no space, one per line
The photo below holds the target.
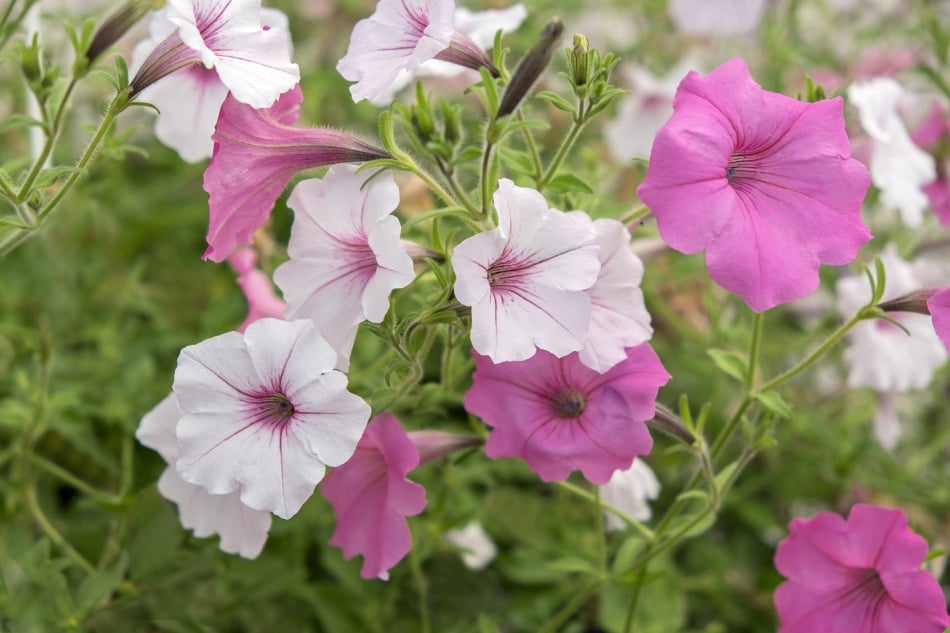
629,491
265,413
717,17
477,548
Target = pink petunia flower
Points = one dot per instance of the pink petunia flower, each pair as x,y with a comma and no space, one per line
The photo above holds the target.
764,183
345,253
559,415
265,413
256,153
190,99
400,36
252,61
257,288
618,315
371,497
939,306
933,133
525,280
243,530
860,575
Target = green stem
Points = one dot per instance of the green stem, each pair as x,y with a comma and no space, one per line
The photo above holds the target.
532,150
635,215
554,624
601,533
67,477
580,122
754,350
456,188
52,135
595,499
52,533
8,30
485,186
422,588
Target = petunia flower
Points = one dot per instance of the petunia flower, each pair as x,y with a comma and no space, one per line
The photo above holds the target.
881,355
898,167
857,575
476,547
618,315
480,27
345,253
400,36
371,497
939,306
265,413
525,280
717,17
559,415
189,100
251,60
243,530
256,154
933,133
764,183
257,288
630,490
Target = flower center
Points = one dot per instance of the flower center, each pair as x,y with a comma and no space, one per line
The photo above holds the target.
568,403
276,408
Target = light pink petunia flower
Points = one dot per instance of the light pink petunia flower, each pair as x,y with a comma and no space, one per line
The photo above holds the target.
630,490
717,17
939,306
256,153
764,183
371,497
265,414
525,280
933,133
559,415
345,253
243,530
400,36
252,60
190,99
618,315
899,168
860,575
477,548
257,288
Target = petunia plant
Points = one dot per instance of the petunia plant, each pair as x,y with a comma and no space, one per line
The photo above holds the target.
475,341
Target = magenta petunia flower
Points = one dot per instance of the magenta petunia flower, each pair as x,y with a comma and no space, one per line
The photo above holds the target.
251,60
257,288
345,253
860,575
559,415
939,306
526,280
932,134
400,36
371,497
764,183
256,153
243,530
265,413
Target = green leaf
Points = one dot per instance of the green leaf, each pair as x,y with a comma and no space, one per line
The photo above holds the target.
774,403
15,121
485,624
516,160
567,183
98,585
626,554
725,474
51,175
730,363
14,221
573,564
556,100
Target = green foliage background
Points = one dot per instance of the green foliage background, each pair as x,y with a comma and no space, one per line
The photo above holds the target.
94,310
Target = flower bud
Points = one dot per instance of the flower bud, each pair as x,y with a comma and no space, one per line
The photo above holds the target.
531,67
914,302
435,444
671,424
578,57
117,25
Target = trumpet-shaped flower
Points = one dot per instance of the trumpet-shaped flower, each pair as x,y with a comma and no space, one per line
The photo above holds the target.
525,280
764,183
371,497
190,99
257,288
252,60
400,36
618,315
243,530
265,413
939,306
345,253
934,134
256,153
857,575
560,415
899,168
475,545
717,17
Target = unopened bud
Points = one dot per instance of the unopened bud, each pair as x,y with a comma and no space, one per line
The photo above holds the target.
671,424
914,302
435,444
118,24
531,67
579,60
